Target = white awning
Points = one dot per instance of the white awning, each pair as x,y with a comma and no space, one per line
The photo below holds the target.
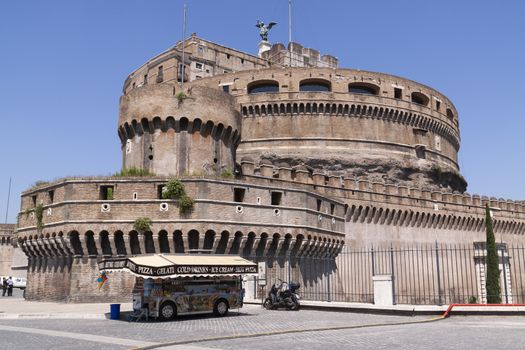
175,265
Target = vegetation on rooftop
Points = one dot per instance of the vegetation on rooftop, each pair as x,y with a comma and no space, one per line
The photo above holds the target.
133,172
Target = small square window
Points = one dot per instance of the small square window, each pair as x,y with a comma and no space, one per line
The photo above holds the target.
198,65
276,198
106,193
238,195
226,88
398,93
228,56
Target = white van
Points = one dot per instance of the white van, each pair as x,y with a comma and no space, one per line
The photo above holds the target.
18,282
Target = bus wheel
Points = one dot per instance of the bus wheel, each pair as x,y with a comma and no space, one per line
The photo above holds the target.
221,308
167,311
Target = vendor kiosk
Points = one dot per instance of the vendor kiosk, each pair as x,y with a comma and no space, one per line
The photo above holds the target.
168,285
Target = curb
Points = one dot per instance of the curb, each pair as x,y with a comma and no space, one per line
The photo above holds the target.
492,310
71,316
365,310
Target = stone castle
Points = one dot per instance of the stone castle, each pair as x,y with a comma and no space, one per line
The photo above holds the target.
284,154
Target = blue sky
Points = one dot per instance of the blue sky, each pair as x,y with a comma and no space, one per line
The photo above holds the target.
64,63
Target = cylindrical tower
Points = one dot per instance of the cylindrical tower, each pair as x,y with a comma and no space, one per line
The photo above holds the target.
168,131
352,123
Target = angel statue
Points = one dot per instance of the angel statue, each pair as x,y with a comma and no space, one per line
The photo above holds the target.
264,29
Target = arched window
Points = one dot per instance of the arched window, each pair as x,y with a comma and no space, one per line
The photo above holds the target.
263,86
419,98
315,85
363,88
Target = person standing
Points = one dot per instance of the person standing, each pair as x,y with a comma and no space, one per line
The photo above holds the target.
4,286
9,287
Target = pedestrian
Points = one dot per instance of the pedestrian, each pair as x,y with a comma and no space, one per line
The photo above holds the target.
4,286
10,287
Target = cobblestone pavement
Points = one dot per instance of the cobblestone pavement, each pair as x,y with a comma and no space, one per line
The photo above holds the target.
473,332
481,332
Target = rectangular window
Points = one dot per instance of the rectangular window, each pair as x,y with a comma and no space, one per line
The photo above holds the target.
319,203
51,195
198,65
276,198
160,75
226,88
145,79
160,190
106,193
179,73
238,195
228,56
33,199
438,105
332,208
398,93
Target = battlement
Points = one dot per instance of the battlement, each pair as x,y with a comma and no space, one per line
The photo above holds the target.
298,56
377,191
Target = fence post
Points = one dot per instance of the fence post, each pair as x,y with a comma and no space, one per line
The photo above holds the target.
440,302
327,267
393,277
373,263
289,266
504,275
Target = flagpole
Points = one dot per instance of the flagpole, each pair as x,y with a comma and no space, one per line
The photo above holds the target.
289,21
290,27
183,46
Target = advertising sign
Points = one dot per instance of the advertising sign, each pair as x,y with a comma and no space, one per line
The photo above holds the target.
262,273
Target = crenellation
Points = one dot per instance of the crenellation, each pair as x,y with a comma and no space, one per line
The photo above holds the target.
285,173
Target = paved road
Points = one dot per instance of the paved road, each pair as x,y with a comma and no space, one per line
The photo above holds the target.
456,332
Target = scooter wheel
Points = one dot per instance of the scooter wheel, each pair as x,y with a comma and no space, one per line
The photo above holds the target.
268,304
294,307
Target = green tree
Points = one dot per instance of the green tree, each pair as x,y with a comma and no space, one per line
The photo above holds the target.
492,282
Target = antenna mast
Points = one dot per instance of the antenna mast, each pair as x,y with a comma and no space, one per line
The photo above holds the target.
8,195
289,21
183,47
290,28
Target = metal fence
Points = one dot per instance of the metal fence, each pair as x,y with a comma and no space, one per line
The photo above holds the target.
424,274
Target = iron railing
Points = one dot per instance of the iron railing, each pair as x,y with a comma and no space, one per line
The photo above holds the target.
433,274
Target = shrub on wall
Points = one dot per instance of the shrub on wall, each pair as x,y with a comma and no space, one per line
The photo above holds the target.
174,190
185,204
227,173
39,215
142,224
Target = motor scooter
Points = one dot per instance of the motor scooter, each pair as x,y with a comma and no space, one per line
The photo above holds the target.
281,297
